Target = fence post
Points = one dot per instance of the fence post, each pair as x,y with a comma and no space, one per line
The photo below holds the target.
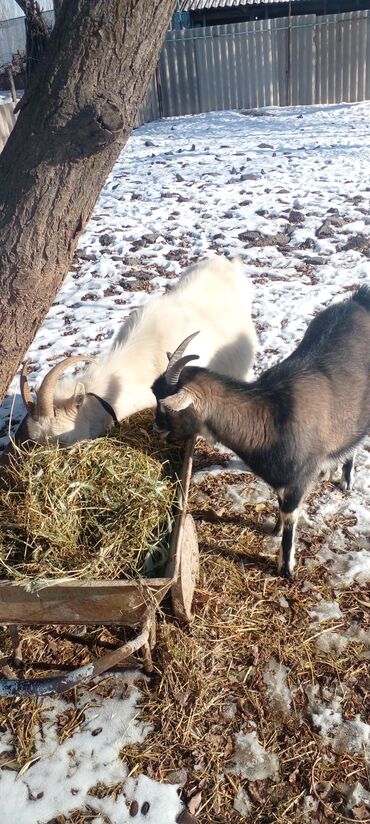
289,57
158,87
11,84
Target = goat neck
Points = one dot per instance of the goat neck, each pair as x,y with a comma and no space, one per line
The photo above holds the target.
231,411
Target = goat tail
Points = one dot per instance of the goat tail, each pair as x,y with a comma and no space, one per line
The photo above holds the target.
362,296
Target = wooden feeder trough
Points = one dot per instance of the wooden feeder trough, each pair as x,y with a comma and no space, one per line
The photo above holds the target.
129,603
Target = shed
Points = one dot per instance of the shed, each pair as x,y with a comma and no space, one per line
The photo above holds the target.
192,13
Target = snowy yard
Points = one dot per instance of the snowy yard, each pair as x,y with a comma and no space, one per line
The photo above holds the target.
262,704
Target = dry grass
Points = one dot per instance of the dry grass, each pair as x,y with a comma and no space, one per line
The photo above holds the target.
209,677
100,509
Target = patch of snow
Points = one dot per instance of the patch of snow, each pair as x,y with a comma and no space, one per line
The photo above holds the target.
251,760
62,773
279,694
345,568
325,611
335,643
243,804
310,806
355,795
351,736
332,643
324,716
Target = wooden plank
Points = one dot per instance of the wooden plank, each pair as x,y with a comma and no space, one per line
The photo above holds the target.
97,602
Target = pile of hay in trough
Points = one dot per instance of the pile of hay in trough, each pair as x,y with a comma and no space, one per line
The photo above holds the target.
99,509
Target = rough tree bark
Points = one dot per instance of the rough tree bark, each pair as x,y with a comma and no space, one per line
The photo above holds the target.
75,119
37,35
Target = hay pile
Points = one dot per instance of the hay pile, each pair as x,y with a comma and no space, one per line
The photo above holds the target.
100,509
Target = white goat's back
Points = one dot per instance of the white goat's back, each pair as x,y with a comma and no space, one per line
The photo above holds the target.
213,296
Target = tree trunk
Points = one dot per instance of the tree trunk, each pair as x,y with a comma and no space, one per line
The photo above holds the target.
57,7
75,118
37,36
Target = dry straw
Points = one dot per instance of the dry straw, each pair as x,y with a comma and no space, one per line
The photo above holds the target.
101,509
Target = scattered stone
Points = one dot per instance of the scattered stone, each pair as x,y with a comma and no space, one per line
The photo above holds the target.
314,260
249,176
86,256
335,220
179,777
106,239
149,143
295,216
264,146
325,230
179,178
358,243
134,809
257,239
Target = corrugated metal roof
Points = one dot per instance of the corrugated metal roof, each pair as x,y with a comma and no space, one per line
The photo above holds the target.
199,5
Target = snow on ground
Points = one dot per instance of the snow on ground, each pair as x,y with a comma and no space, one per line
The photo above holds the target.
289,191
251,759
62,771
351,736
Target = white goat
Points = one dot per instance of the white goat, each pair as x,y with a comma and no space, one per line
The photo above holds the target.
213,296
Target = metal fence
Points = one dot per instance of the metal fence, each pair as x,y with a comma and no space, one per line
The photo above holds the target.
281,62
302,60
7,121
13,36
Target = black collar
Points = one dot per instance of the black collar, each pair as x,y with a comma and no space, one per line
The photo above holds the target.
108,408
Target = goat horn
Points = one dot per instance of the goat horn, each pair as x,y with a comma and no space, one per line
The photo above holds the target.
176,362
25,389
45,395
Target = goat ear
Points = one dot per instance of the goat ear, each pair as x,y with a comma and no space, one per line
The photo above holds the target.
79,394
175,403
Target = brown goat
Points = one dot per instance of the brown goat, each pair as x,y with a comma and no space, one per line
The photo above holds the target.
300,418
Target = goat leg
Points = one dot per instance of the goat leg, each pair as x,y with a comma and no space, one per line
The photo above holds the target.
346,480
289,511
278,528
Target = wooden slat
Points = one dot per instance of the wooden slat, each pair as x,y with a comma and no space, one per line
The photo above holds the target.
98,602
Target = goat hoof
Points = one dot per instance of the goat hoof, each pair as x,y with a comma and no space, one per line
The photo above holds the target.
284,572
